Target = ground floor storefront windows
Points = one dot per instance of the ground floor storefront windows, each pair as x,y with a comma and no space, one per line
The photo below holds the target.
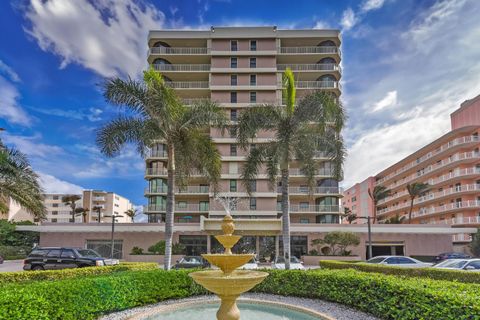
194,245
104,248
386,249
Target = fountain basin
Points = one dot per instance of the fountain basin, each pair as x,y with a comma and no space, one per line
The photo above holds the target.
228,262
238,282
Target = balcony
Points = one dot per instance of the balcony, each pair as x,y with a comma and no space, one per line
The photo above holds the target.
441,149
156,172
314,209
186,190
296,172
182,67
98,198
461,237
157,154
310,67
193,101
188,84
318,85
316,190
179,50
471,204
190,207
309,50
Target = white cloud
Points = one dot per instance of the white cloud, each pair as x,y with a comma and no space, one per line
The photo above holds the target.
321,25
390,100
369,5
348,19
52,184
140,217
9,106
351,18
91,114
106,36
9,72
32,146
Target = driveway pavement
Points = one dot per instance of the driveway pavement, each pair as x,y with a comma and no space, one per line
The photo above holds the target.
11,265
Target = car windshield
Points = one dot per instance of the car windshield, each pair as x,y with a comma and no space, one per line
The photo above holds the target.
292,260
376,260
87,253
453,264
191,260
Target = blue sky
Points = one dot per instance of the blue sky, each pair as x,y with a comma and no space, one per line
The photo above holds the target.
407,64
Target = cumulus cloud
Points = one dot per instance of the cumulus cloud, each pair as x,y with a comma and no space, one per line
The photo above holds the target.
10,108
390,100
90,114
32,146
106,36
351,18
321,25
371,5
348,19
52,184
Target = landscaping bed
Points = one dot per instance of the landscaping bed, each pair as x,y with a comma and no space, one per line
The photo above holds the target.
431,273
87,297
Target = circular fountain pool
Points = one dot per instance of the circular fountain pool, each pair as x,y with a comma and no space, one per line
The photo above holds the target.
250,310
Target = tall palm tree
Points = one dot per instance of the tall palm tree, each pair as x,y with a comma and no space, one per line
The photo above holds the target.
300,132
379,193
156,115
71,200
414,190
83,212
98,210
20,183
131,213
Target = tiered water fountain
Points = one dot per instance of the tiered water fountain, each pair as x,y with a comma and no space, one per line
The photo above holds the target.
228,283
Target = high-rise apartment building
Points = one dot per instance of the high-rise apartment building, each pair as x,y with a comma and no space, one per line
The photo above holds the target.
238,68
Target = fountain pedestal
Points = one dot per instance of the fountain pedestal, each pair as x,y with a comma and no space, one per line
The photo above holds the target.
228,283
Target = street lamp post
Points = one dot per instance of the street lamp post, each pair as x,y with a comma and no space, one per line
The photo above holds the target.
370,254
114,217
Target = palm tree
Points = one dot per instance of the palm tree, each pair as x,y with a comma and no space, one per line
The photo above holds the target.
301,131
98,209
156,115
20,183
70,200
379,193
394,220
414,190
131,213
349,216
83,212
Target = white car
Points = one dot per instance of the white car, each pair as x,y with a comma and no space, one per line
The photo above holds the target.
250,265
460,264
295,264
399,261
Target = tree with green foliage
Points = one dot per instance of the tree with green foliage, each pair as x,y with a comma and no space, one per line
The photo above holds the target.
397,219
378,193
71,201
349,215
301,131
131,213
20,183
83,212
415,190
475,244
338,242
155,113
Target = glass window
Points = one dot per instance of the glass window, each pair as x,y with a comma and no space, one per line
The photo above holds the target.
253,79
253,203
102,248
67,254
304,221
233,62
233,185
204,188
403,260
55,205
304,205
55,220
233,79
253,185
194,245
233,149
54,253
54,213
253,62
253,45
376,260
253,97
204,205
38,253
474,264
233,115
182,204
234,45
233,97
55,197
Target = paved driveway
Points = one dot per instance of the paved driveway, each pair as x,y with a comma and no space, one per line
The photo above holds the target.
11,265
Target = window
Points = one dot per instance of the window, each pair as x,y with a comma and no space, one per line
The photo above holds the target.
253,185
55,197
354,199
204,205
304,206
304,221
103,247
233,149
233,115
234,45
204,188
253,62
233,97
38,253
253,97
54,253
54,220
253,45
55,205
54,213
233,185
233,79
194,245
253,203
182,204
253,79
233,63
68,254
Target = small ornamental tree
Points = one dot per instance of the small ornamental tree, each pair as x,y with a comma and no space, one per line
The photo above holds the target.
338,242
475,245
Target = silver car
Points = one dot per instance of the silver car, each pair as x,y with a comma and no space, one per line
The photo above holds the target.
460,264
399,261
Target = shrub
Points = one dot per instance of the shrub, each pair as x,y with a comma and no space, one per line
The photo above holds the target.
157,248
14,252
381,295
432,273
178,248
137,250
9,277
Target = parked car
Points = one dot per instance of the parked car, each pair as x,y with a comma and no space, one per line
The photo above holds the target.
189,262
55,258
399,261
295,264
250,265
451,255
460,264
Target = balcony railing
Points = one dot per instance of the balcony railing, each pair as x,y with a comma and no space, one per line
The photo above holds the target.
313,208
444,147
463,237
179,50
188,84
316,190
194,101
304,50
98,198
188,189
317,84
310,67
471,204
181,67
321,172
190,207
156,172
158,153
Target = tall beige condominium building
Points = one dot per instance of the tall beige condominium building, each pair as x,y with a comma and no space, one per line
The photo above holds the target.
107,203
240,67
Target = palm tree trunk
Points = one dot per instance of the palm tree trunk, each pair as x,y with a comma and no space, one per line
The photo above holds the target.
286,216
374,212
410,212
99,214
169,209
73,212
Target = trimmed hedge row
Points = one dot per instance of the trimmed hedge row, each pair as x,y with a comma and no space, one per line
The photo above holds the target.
432,273
381,295
9,277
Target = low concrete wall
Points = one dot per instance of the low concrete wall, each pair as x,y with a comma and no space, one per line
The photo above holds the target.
314,260
150,258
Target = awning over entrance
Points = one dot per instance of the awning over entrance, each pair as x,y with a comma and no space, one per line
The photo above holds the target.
244,226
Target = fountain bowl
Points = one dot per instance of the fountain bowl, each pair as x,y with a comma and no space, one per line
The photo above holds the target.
238,282
228,262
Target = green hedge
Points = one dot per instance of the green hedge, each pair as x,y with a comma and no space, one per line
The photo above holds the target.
9,277
381,295
432,273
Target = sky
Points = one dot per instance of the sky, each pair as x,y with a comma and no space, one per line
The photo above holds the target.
407,64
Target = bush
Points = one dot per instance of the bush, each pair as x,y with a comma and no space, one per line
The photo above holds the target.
431,273
381,295
9,277
157,248
14,252
136,250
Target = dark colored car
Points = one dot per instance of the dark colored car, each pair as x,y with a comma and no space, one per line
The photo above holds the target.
189,262
56,258
451,255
